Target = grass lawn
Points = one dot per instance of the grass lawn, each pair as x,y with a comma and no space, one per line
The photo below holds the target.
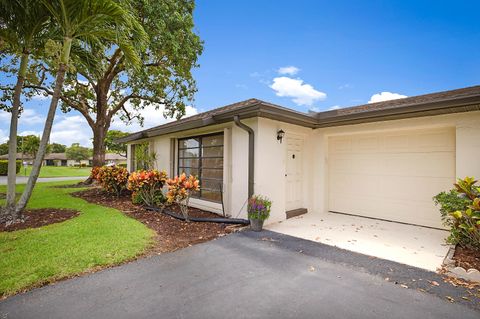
99,236
58,171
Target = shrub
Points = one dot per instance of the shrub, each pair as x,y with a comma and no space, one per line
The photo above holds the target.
147,187
113,179
94,173
460,209
180,190
259,207
122,165
4,167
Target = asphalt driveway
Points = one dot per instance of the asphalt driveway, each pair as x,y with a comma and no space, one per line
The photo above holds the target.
250,275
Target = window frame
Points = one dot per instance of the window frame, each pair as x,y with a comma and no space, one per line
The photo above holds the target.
200,158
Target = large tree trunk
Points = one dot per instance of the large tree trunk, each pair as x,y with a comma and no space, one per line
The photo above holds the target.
37,164
10,213
99,133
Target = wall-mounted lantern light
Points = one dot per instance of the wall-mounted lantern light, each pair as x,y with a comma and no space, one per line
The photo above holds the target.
280,135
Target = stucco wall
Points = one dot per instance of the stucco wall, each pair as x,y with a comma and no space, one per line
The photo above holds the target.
270,157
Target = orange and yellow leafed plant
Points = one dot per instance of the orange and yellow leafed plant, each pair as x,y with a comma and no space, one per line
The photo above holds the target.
180,188
113,179
147,186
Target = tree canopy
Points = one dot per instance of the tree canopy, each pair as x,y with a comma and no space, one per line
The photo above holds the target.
112,89
57,148
112,145
78,153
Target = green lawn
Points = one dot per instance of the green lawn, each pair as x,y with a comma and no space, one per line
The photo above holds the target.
58,171
99,236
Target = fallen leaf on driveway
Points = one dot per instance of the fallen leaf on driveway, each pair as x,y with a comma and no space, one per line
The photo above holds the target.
450,299
434,283
311,268
404,286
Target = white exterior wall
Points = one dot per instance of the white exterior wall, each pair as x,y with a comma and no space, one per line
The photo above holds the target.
235,164
270,157
467,130
270,164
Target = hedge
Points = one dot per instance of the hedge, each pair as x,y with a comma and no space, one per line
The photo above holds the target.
4,167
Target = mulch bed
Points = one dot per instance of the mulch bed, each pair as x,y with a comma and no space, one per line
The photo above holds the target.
467,258
35,218
172,234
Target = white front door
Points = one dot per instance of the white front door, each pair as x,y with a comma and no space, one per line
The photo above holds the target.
294,173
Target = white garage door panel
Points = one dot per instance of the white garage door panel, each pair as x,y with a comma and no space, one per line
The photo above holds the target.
391,176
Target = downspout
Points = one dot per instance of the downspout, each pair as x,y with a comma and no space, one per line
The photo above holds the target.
251,153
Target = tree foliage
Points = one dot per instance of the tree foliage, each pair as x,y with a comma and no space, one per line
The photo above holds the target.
112,145
3,148
57,148
78,153
114,90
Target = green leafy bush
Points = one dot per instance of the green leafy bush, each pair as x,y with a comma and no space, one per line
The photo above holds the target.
460,209
4,167
113,179
259,207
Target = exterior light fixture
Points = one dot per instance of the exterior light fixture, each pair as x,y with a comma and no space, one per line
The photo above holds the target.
280,135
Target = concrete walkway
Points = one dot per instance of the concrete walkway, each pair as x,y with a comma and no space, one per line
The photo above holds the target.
24,179
407,244
249,275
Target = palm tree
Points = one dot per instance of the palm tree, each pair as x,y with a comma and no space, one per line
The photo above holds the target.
23,29
85,24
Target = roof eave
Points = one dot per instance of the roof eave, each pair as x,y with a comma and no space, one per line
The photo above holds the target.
467,104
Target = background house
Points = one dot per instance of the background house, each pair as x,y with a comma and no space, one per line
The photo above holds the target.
60,159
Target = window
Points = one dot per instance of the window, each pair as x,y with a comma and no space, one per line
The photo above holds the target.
202,156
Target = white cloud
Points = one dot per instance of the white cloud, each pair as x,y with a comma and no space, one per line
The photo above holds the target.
30,116
152,117
345,86
30,132
3,136
335,107
288,70
385,96
71,129
301,93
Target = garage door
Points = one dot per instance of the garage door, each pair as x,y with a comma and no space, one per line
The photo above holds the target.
391,176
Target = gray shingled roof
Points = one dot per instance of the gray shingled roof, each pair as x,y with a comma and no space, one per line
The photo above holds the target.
459,100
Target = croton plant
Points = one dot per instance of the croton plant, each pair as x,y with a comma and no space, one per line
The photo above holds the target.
180,189
146,187
460,209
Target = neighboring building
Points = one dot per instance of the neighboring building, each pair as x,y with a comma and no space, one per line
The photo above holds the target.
20,156
60,159
383,160
114,158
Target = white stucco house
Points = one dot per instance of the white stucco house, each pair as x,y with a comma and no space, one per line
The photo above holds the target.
382,160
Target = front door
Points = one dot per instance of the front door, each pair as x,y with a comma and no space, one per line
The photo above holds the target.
294,173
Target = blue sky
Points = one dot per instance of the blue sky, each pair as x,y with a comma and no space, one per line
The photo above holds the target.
330,53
